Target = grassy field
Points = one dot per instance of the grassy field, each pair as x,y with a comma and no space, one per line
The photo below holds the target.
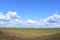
29,34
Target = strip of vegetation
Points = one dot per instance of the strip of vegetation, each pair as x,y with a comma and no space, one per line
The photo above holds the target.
29,34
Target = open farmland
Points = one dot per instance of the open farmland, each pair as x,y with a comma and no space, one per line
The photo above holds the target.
29,34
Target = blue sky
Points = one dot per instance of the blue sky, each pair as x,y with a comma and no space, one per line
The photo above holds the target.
29,9
32,10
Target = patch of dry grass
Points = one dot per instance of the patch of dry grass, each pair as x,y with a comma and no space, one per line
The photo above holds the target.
30,34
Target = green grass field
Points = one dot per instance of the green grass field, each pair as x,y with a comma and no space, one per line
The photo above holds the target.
29,34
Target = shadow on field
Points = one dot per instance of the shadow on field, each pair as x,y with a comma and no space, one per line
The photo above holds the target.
5,36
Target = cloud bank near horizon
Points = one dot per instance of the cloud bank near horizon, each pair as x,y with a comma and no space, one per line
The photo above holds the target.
12,19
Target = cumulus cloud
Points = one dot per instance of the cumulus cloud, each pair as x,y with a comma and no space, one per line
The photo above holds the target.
52,21
12,15
31,22
9,18
12,19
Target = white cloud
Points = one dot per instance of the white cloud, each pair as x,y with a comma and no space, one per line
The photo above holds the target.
9,17
2,16
51,21
31,22
12,15
12,19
